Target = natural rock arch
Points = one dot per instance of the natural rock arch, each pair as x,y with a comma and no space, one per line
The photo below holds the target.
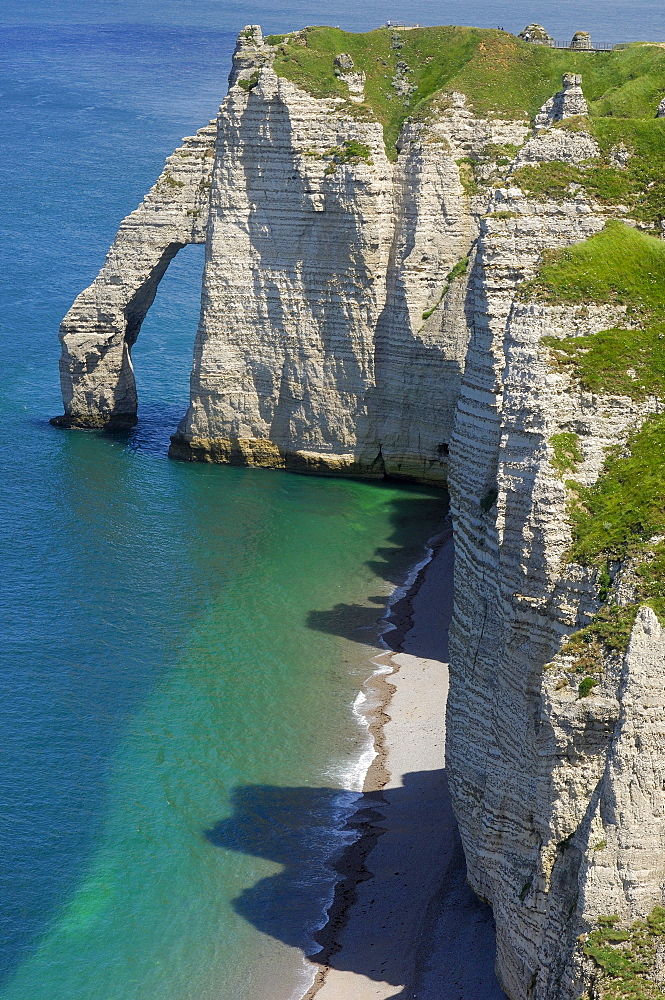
100,329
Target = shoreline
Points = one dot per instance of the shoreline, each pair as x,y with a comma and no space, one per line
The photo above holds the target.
402,892
399,620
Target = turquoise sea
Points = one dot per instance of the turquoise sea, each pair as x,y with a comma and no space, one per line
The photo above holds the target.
180,646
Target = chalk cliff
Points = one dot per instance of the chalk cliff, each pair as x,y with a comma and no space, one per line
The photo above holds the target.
100,329
333,333
531,760
377,309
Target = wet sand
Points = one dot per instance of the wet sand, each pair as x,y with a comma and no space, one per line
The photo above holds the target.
404,923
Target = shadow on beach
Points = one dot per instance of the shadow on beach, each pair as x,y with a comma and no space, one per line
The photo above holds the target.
415,520
291,826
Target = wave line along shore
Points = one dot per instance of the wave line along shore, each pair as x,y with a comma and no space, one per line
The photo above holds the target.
403,922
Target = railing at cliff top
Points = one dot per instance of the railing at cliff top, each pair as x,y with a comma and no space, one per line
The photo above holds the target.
594,47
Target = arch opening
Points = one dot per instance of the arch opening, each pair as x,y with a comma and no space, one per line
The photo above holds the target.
162,357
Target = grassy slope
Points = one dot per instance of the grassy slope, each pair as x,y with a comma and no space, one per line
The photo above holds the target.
500,74
435,55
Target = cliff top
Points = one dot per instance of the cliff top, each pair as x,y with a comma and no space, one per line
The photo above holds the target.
405,72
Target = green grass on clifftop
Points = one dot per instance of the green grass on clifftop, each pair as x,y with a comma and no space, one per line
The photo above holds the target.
618,264
500,74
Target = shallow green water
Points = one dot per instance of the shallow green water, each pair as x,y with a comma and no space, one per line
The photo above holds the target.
216,602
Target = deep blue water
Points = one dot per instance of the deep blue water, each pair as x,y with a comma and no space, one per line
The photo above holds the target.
156,618
625,20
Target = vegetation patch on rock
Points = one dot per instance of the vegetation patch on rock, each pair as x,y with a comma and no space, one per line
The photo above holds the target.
618,266
626,958
586,687
567,454
622,515
607,633
350,151
458,270
250,83
630,172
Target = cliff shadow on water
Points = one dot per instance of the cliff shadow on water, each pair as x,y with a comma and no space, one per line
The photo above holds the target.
291,826
386,865
413,517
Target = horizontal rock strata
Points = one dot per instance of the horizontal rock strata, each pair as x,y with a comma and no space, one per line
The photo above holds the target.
530,764
98,332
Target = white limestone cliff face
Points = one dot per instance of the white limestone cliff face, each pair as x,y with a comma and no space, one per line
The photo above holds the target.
603,772
294,284
99,330
532,766
436,228
330,338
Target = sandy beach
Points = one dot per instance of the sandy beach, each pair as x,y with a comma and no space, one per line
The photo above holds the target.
404,923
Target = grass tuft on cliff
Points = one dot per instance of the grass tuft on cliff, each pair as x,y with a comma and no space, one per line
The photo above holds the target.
501,75
607,633
627,958
567,454
617,265
622,515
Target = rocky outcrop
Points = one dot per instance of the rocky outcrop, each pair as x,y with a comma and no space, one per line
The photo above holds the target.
536,34
568,103
625,875
581,41
344,69
333,333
